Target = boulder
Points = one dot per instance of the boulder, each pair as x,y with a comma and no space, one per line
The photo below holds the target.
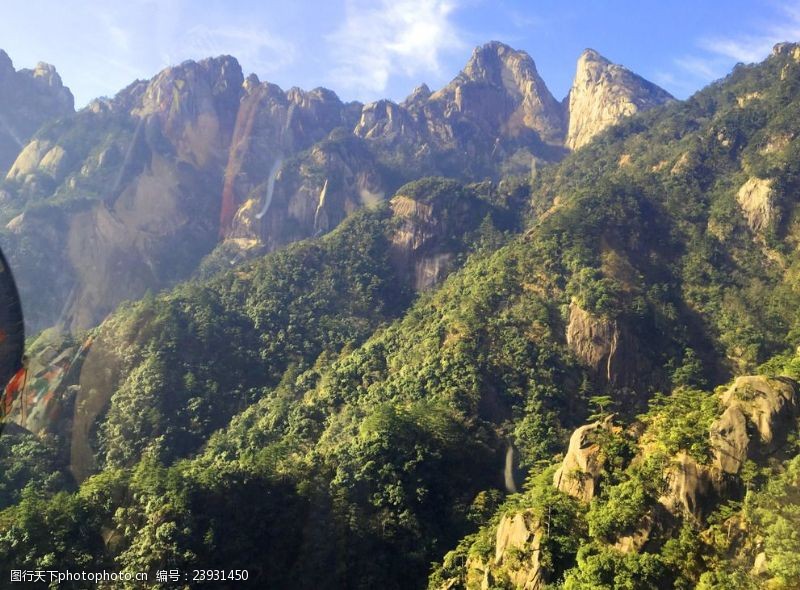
757,200
730,440
688,486
602,94
583,463
754,405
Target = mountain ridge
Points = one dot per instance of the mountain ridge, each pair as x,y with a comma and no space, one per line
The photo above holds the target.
497,114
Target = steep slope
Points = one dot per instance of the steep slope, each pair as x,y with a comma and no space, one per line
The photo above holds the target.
133,201
602,94
373,261
198,162
28,100
688,496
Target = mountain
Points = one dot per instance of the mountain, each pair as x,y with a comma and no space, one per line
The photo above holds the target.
583,376
133,203
602,94
199,167
29,99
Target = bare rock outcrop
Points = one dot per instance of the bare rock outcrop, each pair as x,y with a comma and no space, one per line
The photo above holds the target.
29,159
388,120
757,200
758,413
522,533
604,345
688,486
591,338
580,471
602,94
429,223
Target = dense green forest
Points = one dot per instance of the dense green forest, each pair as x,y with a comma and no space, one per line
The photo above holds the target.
308,417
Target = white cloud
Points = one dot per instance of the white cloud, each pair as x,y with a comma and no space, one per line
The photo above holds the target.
755,47
718,53
379,38
256,49
699,67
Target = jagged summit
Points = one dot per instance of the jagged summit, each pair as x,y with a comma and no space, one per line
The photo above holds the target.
249,138
491,61
786,48
28,98
5,62
503,83
602,93
592,55
420,94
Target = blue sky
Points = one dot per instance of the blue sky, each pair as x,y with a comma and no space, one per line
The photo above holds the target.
369,49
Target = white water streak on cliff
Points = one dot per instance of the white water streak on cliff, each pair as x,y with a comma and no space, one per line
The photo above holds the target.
270,187
508,473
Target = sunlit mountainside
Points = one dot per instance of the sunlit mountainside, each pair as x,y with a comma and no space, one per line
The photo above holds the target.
481,338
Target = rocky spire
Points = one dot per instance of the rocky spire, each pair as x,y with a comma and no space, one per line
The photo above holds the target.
602,94
28,99
513,73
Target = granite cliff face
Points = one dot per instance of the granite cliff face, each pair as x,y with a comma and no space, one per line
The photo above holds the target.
430,222
602,94
28,99
272,125
140,179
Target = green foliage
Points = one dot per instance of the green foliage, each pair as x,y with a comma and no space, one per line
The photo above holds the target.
777,515
61,533
680,422
209,351
620,509
301,413
604,568
29,463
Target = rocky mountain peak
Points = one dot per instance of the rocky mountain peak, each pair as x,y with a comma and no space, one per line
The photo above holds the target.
591,55
6,65
491,61
785,48
498,64
47,73
28,99
602,93
420,94
500,87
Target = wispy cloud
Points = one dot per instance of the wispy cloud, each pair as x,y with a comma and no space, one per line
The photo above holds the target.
379,38
261,50
754,47
718,53
699,67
